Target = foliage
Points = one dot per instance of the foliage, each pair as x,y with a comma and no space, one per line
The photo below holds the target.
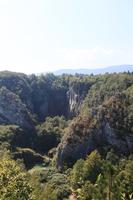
50,133
13,135
101,99
113,181
86,170
14,183
57,188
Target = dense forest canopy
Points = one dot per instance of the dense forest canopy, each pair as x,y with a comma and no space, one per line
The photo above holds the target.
66,137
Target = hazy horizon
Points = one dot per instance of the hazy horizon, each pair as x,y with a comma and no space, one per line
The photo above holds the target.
47,35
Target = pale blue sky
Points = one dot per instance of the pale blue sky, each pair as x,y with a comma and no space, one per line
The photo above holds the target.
44,35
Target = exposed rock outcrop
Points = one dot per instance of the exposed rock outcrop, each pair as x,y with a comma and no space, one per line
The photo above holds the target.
43,96
76,95
19,84
109,125
13,111
86,135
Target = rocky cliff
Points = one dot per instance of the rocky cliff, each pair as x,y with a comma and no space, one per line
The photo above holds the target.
23,96
106,128
13,111
76,94
100,109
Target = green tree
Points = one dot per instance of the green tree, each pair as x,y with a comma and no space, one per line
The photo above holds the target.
92,166
124,182
77,174
14,183
87,192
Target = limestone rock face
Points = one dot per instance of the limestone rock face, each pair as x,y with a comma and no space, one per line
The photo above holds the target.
74,101
107,126
76,95
13,111
45,99
75,145
71,151
18,83
115,140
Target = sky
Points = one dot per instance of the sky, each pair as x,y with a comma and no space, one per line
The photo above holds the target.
45,35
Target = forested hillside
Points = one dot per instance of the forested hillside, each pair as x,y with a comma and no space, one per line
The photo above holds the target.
66,137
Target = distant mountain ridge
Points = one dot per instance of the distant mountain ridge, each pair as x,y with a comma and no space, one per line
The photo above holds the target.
111,69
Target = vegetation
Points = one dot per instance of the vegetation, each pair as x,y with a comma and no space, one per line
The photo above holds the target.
14,183
78,143
49,133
